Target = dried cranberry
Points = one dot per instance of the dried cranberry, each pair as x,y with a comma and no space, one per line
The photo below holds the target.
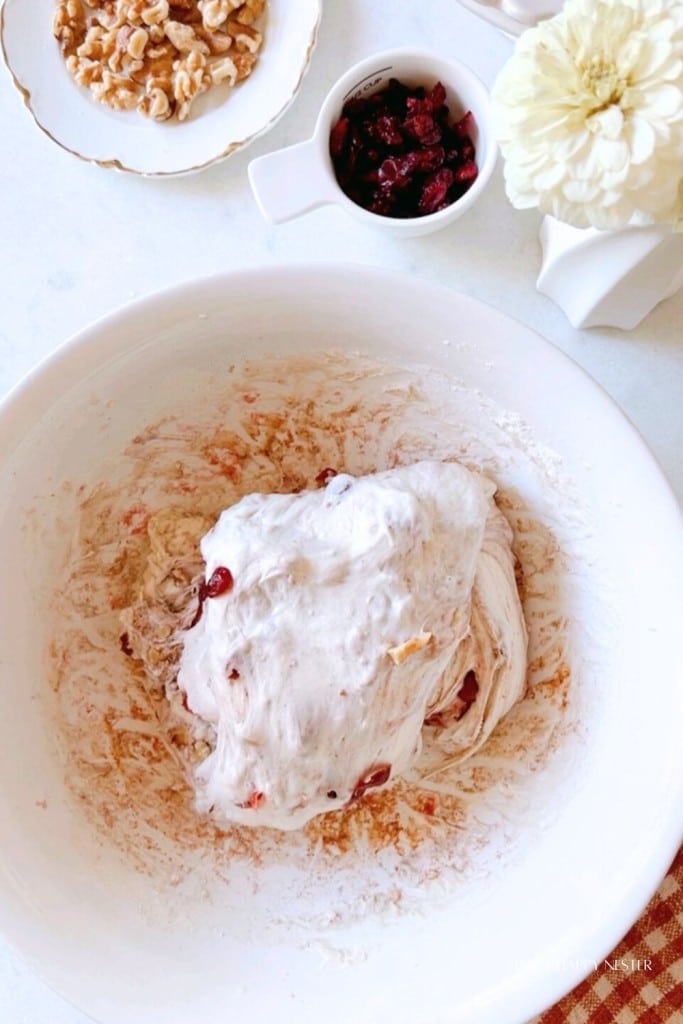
253,801
465,126
124,641
467,149
435,190
387,147
469,689
438,95
233,673
464,699
219,582
391,171
355,107
466,173
418,107
381,205
386,129
325,475
370,177
424,128
429,159
396,96
375,776
338,137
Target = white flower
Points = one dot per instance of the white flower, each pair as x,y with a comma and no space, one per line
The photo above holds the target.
589,114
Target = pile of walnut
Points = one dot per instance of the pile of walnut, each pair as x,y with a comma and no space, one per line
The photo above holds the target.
157,55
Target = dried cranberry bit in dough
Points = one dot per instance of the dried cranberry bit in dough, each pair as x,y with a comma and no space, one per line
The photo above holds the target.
124,642
469,689
376,776
233,674
220,582
253,801
464,699
325,475
428,805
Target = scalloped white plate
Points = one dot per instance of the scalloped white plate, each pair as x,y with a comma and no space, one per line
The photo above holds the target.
221,121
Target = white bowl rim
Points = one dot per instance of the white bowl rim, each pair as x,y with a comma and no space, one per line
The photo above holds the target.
599,937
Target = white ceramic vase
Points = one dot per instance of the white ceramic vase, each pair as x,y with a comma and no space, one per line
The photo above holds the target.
609,278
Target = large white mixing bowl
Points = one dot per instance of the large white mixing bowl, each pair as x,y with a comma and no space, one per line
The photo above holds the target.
518,935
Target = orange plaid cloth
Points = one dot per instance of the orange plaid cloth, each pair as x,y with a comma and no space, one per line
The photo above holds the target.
651,992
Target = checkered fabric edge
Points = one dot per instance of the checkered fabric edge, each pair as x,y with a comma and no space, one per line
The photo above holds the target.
642,979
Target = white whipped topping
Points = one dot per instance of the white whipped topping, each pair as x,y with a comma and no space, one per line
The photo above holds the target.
301,667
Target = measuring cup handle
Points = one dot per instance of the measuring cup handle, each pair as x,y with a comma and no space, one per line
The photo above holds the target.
291,181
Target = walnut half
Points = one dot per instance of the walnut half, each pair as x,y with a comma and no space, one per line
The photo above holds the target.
157,55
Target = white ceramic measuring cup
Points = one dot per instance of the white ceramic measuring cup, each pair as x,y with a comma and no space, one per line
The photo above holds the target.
298,179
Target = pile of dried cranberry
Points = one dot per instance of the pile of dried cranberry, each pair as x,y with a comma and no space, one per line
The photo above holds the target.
396,153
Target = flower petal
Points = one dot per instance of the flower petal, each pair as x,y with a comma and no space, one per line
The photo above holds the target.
643,140
589,113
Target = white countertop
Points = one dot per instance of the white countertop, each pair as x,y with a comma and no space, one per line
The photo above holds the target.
78,241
